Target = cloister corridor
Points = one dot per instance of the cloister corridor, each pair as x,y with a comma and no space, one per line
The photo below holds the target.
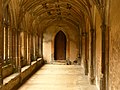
58,77
60,44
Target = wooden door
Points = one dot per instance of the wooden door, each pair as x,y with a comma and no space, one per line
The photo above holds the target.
60,46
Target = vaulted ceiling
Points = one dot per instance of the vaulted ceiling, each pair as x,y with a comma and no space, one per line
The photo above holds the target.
41,13
48,11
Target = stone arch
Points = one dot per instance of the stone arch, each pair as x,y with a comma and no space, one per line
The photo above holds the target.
67,44
60,46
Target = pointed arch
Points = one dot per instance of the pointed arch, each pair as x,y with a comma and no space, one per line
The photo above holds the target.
67,44
60,46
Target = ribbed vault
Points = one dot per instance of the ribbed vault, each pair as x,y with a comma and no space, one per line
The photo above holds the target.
74,12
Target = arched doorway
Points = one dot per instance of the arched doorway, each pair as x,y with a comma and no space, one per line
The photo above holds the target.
60,46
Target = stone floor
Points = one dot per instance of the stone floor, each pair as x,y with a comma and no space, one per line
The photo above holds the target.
58,77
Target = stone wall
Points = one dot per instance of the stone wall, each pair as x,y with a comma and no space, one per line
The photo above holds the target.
114,75
7,70
48,42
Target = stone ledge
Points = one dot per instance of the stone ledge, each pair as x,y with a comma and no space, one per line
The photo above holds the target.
9,78
14,80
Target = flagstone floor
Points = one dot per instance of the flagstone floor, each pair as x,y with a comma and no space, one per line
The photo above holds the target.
58,77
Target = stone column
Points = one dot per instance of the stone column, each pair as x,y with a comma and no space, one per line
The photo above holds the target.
32,48
6,30
25,47
86,53
22,48
28,49
18,51
1,57
104,84
92,77
39,46
83,49
105,57
79,47
36,47
10,44
6,43
14,50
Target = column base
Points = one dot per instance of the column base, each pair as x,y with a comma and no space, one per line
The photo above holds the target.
92,80
1,81
102,84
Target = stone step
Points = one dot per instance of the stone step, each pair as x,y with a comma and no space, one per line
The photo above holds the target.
59,62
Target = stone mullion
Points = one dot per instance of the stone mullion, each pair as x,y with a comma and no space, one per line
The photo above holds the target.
22,48
25,47
36,46
15,51
10,44
6,30
6,43
39,45
14,47
1,45
1,54
18,51
28,49
16,54
32,48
